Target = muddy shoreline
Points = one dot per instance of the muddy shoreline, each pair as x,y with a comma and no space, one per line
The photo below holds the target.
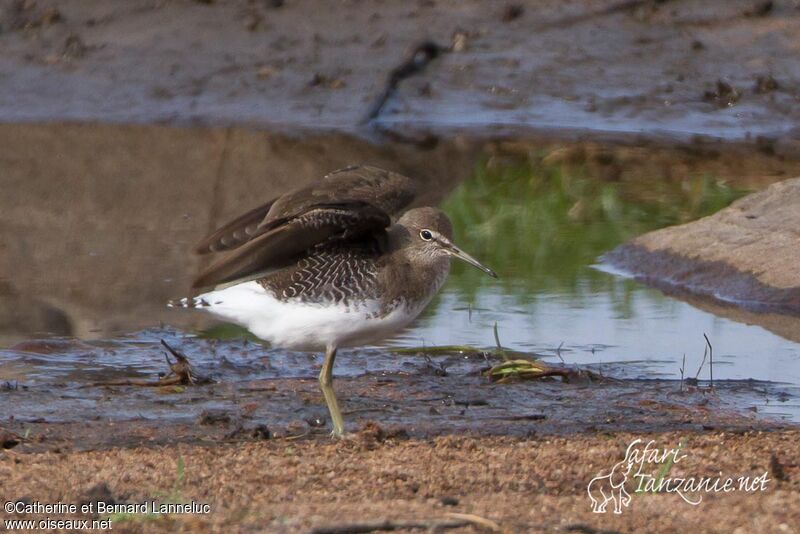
410,405
657,69
742,255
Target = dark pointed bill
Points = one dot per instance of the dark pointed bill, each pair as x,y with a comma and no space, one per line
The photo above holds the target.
460,254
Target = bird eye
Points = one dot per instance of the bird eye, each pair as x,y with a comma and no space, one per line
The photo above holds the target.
426,235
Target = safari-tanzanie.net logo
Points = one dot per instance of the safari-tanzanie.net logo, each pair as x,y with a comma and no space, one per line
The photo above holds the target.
646,468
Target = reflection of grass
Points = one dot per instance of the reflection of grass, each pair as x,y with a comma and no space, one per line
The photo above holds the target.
227,332
540,226
507,355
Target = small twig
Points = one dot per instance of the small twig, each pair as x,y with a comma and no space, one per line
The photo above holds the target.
710,360
296,436
181,357
705,353
500,348
476,520
168,381
419,58
683,366
180,373
558,353
388,525
365,410
181,367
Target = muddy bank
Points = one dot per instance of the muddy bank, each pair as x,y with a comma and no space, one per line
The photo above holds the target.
674,69
78,395
530,484
408,405
746,254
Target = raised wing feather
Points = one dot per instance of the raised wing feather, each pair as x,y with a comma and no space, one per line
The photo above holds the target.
386,190
237,232
351,204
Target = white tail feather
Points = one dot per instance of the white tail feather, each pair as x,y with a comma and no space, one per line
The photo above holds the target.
187,302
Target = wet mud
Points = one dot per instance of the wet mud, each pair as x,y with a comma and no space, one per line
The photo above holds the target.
644,68
71,395
679,275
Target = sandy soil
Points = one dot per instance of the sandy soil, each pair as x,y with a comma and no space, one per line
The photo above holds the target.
522,485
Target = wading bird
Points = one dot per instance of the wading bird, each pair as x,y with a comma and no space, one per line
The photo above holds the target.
326,266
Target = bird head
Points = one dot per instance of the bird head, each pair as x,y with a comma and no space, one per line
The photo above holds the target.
430,234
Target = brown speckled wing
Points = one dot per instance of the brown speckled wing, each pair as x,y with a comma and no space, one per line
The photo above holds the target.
288,240
346,205
237,232
386,190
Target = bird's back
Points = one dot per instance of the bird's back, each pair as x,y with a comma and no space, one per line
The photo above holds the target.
347,208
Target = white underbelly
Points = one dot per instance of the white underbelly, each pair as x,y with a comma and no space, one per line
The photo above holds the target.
301,325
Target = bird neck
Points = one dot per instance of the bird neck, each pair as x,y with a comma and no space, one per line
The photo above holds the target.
411,277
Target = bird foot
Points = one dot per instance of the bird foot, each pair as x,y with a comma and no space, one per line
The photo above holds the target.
341,435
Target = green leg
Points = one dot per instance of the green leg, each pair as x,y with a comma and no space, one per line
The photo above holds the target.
326,384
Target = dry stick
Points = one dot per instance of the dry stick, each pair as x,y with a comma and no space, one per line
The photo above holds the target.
683,366
499,346
702,362
572,20
180,373
420,56
558,353
710,359
387,525
476,520
172,381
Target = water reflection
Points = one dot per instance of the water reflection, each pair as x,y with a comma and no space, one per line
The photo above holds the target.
542,228
541,225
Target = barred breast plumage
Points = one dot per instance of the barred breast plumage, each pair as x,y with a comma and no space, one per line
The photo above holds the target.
329,274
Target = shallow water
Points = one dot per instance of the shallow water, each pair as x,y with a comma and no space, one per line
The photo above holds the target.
554,298
541,226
